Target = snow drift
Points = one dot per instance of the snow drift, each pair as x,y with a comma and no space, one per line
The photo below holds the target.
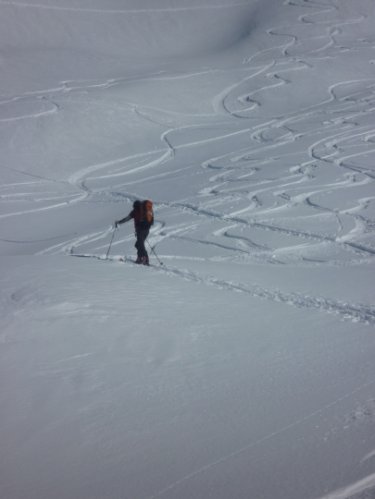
130,29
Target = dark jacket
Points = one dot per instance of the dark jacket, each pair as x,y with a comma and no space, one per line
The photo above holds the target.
139,224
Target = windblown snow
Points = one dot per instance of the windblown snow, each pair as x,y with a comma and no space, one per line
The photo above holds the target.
241,363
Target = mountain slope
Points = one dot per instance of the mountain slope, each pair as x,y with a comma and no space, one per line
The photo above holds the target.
243,366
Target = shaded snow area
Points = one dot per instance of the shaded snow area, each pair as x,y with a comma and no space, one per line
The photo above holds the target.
240,364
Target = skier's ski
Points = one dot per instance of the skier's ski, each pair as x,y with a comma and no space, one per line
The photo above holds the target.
97,257
126,259
121,259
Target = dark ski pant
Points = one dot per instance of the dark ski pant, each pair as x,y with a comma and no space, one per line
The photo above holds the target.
141,235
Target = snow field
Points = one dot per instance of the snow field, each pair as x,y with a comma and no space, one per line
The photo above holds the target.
243,367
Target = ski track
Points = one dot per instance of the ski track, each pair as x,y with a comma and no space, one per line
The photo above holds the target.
344,493
356,313
352,312
365,487
339,136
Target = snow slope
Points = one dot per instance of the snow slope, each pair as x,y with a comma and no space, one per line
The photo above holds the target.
243,366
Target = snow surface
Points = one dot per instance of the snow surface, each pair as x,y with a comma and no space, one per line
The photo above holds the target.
243,367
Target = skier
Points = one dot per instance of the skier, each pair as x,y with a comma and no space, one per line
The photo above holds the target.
143,217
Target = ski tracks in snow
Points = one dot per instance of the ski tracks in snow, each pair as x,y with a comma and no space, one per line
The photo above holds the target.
282,187
356,313
336,131
348,311
360,489
277,178
343,493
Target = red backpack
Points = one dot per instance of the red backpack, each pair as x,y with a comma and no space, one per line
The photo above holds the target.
147,211
144,214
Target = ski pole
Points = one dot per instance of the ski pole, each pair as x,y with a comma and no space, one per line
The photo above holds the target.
154,252
110,244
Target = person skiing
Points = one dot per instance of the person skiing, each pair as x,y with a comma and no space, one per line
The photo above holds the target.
142,214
